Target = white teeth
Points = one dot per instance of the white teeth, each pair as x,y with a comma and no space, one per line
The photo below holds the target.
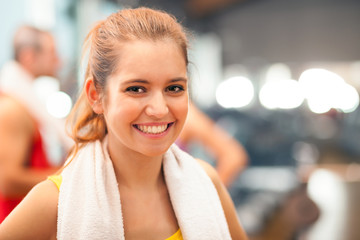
152,129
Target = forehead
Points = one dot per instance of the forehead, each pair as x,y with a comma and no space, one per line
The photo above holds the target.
47,41
145,49
150,58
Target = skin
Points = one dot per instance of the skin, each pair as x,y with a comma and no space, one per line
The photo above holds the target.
150,88
41,62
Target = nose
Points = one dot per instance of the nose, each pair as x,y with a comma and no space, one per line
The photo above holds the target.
157,106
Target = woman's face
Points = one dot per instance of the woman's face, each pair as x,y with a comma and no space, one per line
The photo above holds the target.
146,100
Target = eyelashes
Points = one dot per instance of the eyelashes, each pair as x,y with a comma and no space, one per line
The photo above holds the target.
175,88
135,89
140,89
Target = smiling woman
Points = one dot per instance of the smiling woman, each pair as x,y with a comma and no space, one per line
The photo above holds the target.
125,178
143,94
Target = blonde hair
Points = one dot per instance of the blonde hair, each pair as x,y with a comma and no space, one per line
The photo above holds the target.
102,44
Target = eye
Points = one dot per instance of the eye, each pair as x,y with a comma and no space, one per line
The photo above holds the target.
135,89
175,88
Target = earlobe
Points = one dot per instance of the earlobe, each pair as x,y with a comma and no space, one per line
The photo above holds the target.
93,96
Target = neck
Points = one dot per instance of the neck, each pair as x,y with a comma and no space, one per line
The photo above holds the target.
135,171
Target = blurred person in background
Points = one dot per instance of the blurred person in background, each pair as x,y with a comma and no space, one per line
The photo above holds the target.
26,129
231,157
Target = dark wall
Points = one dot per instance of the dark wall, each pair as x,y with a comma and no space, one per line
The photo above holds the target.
290,30
279,30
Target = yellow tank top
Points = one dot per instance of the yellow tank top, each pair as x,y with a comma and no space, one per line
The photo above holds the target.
57,179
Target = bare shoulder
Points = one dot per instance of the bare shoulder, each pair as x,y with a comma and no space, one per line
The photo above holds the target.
210,171
8,104
35,217
45,194
16,132
12,112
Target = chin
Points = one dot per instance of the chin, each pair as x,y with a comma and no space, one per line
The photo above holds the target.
155,152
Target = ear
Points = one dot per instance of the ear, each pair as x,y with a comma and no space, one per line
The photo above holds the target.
27,58
93,96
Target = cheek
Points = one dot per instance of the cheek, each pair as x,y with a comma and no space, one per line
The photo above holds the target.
122,111
118,120
181,109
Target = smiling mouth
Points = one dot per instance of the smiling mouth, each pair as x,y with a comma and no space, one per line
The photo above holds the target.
156,129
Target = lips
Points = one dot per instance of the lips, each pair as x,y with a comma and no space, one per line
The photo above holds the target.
153,129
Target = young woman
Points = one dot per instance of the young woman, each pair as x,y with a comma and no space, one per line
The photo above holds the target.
125,178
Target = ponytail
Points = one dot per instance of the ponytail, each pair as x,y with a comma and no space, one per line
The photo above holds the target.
85,124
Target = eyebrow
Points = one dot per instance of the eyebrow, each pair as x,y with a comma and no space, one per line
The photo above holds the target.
179,79
136,81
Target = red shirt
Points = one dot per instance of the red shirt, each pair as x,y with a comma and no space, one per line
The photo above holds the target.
37,160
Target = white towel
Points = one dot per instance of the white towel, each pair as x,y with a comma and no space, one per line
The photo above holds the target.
90,207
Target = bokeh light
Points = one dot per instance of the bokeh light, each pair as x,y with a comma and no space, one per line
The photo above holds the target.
278,71
282,94
235,92
59,104
348,98
325,90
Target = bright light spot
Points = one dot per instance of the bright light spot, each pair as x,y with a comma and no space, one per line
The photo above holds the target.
45,87
266,96
59,104
235,92
348,98
283,94
325,90
308,77
328,191
278,71
322,185
319,105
